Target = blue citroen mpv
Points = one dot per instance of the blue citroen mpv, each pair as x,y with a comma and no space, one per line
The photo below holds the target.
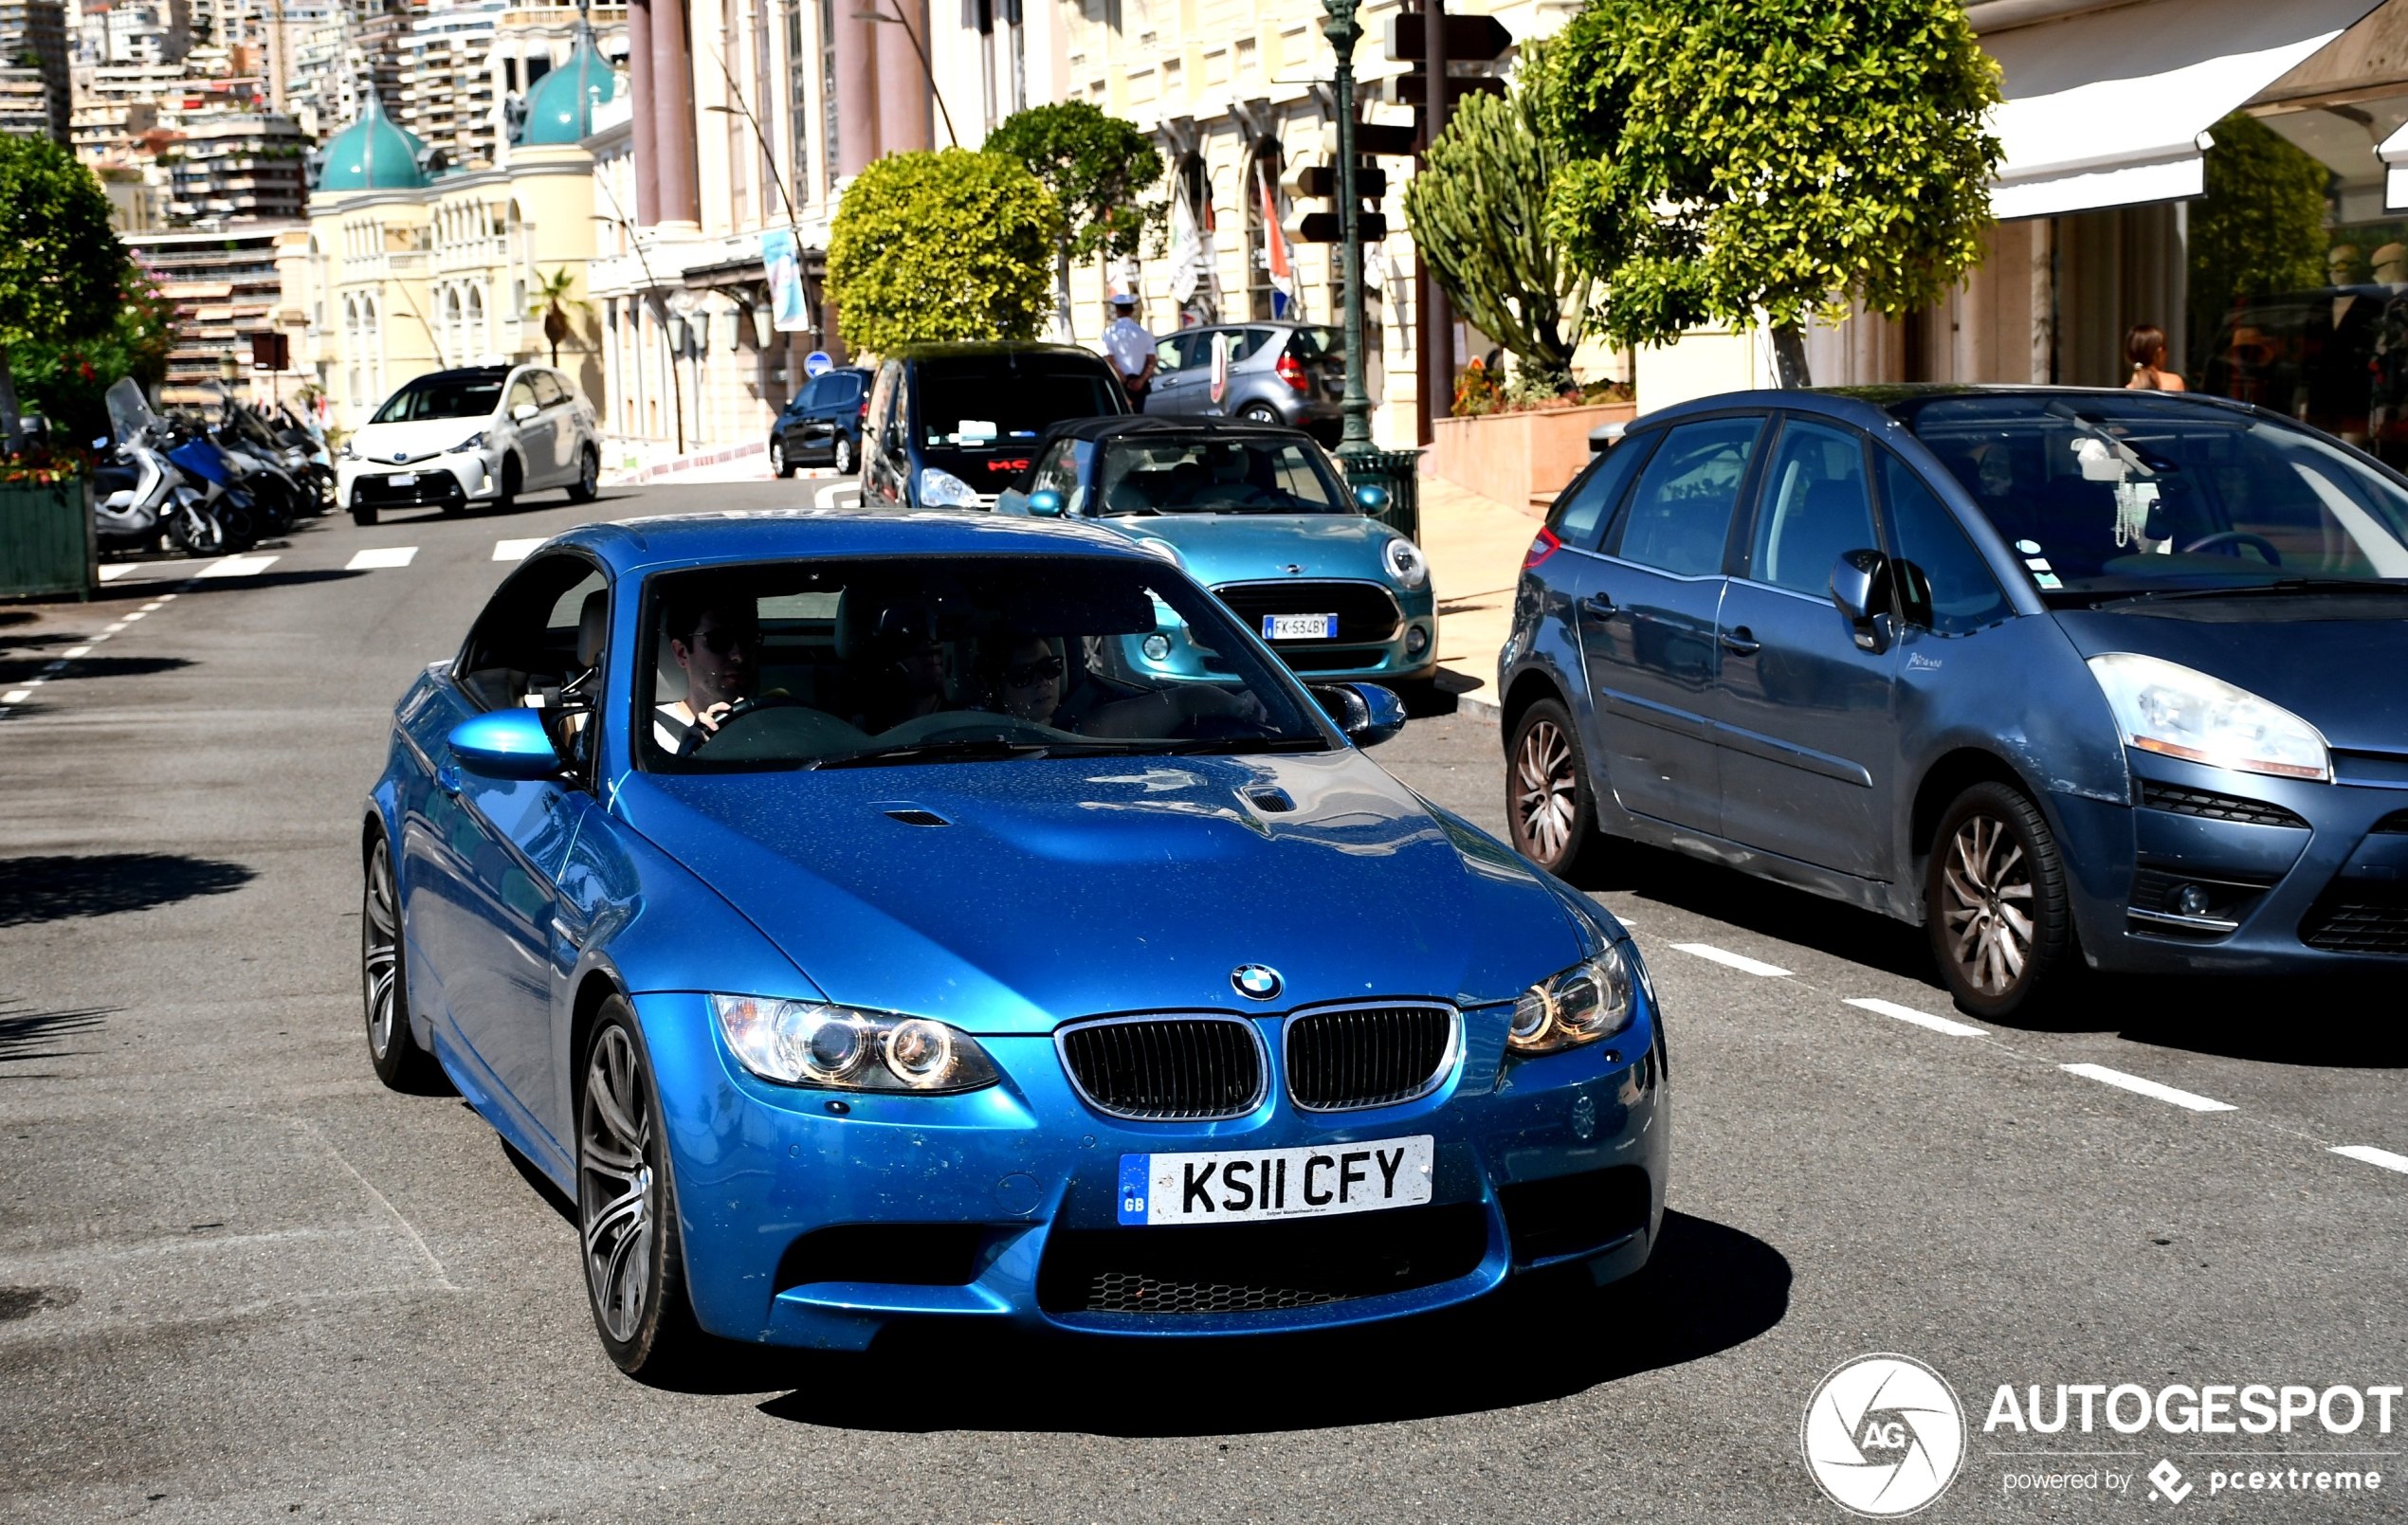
2063,674
853,917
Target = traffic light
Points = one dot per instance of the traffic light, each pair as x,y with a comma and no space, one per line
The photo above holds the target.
1307,181
1370,137
1468,40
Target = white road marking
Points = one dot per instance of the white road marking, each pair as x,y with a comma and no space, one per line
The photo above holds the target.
2138,1086
115,569
2367,1154
514,549
49,668
837,495
392,556
236,567
108,630
136,615
1921,1019
75,651
1738,961
154,606
16,695
167,598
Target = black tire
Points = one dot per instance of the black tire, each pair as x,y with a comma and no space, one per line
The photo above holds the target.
363,515
1548,799
1260,413
589,484
843,455
384,979
513,478
1994,900
778,461
627,1205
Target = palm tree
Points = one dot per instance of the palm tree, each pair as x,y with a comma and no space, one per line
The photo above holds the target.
551,300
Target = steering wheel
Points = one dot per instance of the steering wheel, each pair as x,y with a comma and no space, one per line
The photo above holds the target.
2237,539
742,709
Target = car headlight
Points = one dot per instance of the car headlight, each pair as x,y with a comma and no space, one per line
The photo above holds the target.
942,489
474,441
1589,1001
2179,712
842,1048
1406,563
346,452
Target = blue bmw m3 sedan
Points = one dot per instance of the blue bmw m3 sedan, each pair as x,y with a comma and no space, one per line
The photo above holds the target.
2072,678
850,915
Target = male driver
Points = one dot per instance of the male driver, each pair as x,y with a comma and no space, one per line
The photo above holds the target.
1131,348
715,635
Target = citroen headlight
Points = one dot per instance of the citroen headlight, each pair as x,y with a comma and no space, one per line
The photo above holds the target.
842,1048
942,489
1406,563
1589,1001
2167,708
474,441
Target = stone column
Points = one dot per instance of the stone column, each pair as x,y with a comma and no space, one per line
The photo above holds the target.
673,129
857,50
639,68
903,103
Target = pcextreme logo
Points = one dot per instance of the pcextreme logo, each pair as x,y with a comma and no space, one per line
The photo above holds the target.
1884,1435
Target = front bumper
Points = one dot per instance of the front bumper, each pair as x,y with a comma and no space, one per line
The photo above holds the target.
807,1227
2297,877
460,477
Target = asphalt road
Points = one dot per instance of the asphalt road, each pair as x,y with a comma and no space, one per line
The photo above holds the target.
240,1280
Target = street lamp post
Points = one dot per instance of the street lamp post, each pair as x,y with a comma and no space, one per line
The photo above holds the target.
1343,31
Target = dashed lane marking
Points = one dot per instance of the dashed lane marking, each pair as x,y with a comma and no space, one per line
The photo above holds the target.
1921,1019
2380,1158
236,567
1738,961
514,549
2186,1099
392,556
16,695
115,569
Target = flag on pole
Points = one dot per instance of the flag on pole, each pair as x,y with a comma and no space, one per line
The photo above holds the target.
1275,258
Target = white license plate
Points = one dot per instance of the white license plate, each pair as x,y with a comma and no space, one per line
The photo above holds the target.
1299,627
402,478
1243,1185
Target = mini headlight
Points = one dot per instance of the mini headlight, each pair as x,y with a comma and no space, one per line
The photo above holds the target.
1589,1001
1406,562
842,1048
2167,708
942,489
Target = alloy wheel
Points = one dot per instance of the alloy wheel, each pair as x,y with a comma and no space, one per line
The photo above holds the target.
380,954
844,456
1545,790
616,1193
1988,907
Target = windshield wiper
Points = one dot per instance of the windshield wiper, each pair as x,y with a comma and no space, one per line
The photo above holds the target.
985,749
1240,744
2281,585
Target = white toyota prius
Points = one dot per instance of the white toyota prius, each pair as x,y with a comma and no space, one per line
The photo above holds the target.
480,435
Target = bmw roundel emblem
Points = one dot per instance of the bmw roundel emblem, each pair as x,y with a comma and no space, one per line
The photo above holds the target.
1259,982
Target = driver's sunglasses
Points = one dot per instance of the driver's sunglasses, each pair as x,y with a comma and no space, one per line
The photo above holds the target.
723,641
1030,674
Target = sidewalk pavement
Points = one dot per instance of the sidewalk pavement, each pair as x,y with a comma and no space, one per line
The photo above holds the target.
628,461
1475,548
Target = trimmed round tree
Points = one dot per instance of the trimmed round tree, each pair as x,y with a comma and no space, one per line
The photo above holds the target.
62,268
1099,168
951,245
1478,213
1770,161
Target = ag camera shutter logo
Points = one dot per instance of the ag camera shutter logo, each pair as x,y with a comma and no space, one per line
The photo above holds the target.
1884,1435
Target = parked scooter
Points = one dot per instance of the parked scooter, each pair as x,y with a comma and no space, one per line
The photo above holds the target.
158,485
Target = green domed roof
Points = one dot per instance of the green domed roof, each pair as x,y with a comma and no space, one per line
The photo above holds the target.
561,108
372,154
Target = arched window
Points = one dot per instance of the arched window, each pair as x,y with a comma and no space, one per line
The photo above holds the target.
1193,257
355,381
479,345
372,336
1270,270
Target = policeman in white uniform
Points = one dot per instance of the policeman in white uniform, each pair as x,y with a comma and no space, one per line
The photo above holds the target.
1131,348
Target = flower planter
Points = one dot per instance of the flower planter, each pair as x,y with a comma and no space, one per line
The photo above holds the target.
1520,459
47,540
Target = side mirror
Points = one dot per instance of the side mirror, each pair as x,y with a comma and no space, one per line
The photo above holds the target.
1860,590
1046,501
524,411
506,744
1367,713
1372,499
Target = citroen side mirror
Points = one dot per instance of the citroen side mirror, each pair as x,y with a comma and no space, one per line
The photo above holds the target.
1860,590
1046,501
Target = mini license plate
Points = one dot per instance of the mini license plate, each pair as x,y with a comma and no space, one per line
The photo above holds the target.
1299,627
1245,1186
402,478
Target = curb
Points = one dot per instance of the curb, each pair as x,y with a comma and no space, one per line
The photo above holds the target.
1467,702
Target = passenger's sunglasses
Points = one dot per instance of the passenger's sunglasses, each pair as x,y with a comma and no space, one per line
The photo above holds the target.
1030,674
723,641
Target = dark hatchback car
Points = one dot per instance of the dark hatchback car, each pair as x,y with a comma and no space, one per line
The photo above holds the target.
821,426
1285,373
2059,674
951,424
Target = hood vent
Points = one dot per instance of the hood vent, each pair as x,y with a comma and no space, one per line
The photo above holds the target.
912,815
1271,801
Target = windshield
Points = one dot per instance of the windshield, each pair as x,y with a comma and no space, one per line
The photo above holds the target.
1203,474
1009,400
2111,495
938,660
473,397
129,410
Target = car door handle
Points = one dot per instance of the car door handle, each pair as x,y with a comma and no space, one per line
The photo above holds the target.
447,778
567,934
1741,641
1597,605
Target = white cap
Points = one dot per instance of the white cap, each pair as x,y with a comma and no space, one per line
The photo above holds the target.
1124,299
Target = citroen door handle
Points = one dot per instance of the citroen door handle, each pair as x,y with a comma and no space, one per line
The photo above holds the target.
1599,606
567,934
1739,643
447,778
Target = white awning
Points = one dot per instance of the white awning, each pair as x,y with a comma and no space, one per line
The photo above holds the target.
2108,108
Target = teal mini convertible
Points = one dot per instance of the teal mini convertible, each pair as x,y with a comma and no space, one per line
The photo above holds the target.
1263,517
